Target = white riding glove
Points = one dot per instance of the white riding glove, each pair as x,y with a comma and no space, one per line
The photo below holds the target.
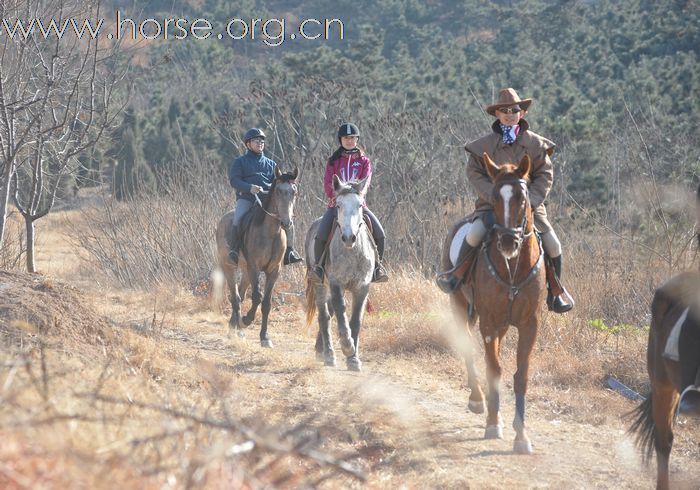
254,189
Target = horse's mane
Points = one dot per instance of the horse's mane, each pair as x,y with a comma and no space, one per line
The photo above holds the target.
259,212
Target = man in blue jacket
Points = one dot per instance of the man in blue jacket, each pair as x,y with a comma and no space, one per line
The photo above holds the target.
250,174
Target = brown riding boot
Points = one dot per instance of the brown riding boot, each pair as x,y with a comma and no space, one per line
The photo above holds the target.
449,280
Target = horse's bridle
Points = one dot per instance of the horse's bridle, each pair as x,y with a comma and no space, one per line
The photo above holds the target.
257,199
518,233
362,219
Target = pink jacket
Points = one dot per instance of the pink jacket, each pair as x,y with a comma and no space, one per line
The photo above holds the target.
348,166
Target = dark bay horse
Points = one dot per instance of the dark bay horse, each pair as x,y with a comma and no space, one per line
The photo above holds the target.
262,250
349,267
509,287
676,305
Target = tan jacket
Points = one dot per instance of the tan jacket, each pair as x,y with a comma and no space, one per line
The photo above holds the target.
527,143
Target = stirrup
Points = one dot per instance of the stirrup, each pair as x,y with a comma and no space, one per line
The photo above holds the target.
318,271
291,257
447,282
379,274
557,304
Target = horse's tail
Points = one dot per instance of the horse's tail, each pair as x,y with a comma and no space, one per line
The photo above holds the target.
310,299
643,428
217,288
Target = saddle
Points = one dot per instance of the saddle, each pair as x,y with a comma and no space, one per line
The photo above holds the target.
553,281
244,226
368,223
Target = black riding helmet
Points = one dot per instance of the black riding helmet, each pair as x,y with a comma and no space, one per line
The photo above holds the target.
348,129
253,133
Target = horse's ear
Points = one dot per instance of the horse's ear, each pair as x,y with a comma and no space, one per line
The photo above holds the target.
337,184
524,167
295,174
491,167
278,172
361,186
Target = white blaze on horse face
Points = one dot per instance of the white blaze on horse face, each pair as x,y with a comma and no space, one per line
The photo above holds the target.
349,217
506,195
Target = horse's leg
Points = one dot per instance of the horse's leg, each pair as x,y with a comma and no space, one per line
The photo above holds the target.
324,343
526,341
346,342
359,298
256,296
270,280
319,342
476,396
243,286
234,327
494,426
663,401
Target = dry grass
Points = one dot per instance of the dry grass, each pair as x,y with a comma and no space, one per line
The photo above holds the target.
167,400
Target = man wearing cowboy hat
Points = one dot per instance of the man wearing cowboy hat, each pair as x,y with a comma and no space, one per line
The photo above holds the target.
509,141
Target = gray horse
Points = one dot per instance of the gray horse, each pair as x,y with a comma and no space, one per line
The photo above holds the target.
349,265
262,250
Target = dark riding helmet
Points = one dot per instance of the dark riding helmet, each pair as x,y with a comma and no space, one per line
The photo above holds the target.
253,133
348,129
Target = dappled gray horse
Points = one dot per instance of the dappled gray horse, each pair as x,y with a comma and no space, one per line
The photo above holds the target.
262,250
349,265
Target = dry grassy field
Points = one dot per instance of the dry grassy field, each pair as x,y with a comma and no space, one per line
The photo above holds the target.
107,387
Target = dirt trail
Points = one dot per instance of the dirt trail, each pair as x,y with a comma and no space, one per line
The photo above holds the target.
404,417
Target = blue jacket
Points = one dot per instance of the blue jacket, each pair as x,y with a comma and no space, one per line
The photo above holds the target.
250,169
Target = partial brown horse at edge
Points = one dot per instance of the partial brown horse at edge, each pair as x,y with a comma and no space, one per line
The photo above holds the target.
677,301
509,288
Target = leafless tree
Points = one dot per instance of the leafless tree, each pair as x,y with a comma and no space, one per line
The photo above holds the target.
57,92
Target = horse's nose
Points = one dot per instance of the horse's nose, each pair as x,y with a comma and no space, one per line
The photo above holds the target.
349,240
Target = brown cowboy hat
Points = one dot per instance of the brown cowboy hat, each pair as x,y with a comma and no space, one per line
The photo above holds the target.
508,97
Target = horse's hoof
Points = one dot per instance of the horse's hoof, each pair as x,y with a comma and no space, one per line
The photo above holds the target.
476,407
522,447
266,343
247,321
493,432
353,364
330,362
235,332
320,357
348,347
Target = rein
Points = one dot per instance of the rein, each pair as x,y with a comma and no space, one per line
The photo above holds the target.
257,199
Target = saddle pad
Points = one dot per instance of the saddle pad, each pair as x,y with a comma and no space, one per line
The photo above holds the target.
457,241
671,350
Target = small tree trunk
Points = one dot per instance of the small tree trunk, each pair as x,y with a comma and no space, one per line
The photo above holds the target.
4,200
29,227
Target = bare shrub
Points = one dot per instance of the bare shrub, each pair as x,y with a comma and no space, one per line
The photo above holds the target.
166,237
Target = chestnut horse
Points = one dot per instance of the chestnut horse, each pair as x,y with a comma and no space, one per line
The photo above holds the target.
676,305
262,249
509,287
